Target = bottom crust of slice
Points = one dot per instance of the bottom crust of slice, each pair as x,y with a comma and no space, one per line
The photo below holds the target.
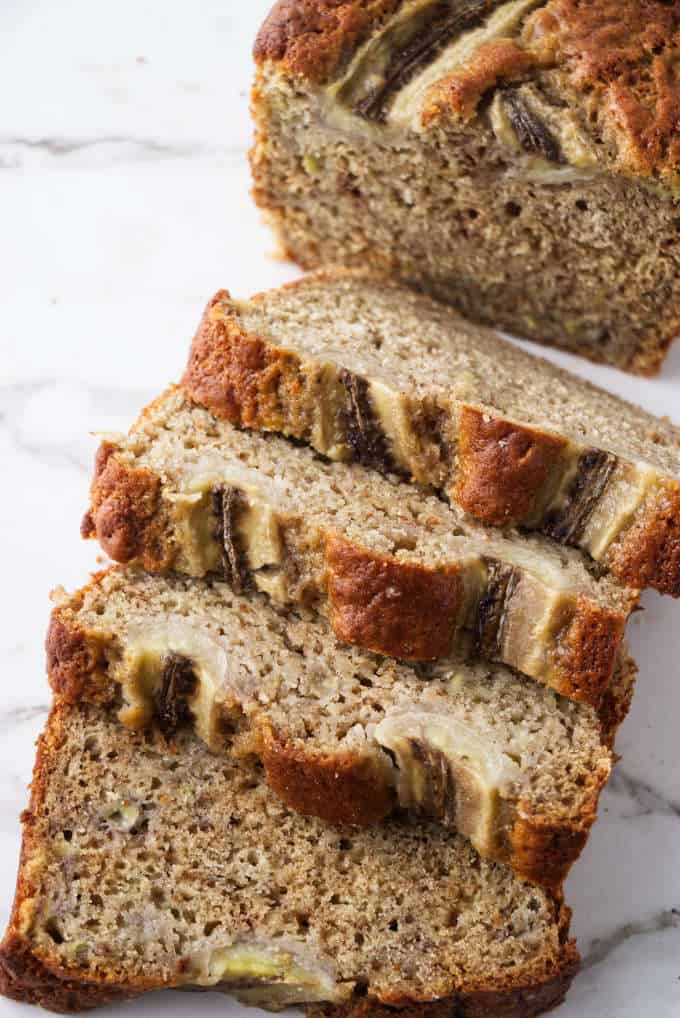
27,980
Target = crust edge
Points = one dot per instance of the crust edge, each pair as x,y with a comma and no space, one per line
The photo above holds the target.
585,652
400,609
315,39
125,513
340,788
648,553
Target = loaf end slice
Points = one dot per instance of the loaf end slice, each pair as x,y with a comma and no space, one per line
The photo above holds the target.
342,734
439,929
518,159
365,370
395,569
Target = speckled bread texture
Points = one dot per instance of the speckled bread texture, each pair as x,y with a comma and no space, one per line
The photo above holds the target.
343,734
212,883
520,159
396,570
364,369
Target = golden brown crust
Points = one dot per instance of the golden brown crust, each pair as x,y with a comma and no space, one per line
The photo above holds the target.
240,378
543,852
74,659
621,55
586,651
342,788
503,467
647,554
315,38
396,608
460,92
126,513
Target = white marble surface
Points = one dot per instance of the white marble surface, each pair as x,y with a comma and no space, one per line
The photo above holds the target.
124,203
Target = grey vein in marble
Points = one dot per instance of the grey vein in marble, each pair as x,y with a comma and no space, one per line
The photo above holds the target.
645,798
21,715
75,409
15,152
600,949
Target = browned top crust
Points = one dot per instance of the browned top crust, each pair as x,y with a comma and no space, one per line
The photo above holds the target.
491,63
73,658
235,374
617,60
623,56
652,548
396,608
125,513
340,790
502,466
315,38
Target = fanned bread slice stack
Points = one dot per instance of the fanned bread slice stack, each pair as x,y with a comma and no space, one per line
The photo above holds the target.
143,869
345,735
287,757
396,570
364,369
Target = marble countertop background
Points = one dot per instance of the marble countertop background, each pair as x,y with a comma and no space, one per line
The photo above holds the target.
124,204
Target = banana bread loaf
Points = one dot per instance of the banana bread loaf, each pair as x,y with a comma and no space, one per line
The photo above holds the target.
343,734
519,158
365,369
396,570
143,869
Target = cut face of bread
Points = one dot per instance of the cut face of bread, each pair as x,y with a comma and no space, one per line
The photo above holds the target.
366,370
516,158
144,869
343,734
396,570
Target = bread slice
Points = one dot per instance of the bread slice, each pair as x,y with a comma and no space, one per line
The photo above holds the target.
396,570
144,869
519,159
343,734
364,369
